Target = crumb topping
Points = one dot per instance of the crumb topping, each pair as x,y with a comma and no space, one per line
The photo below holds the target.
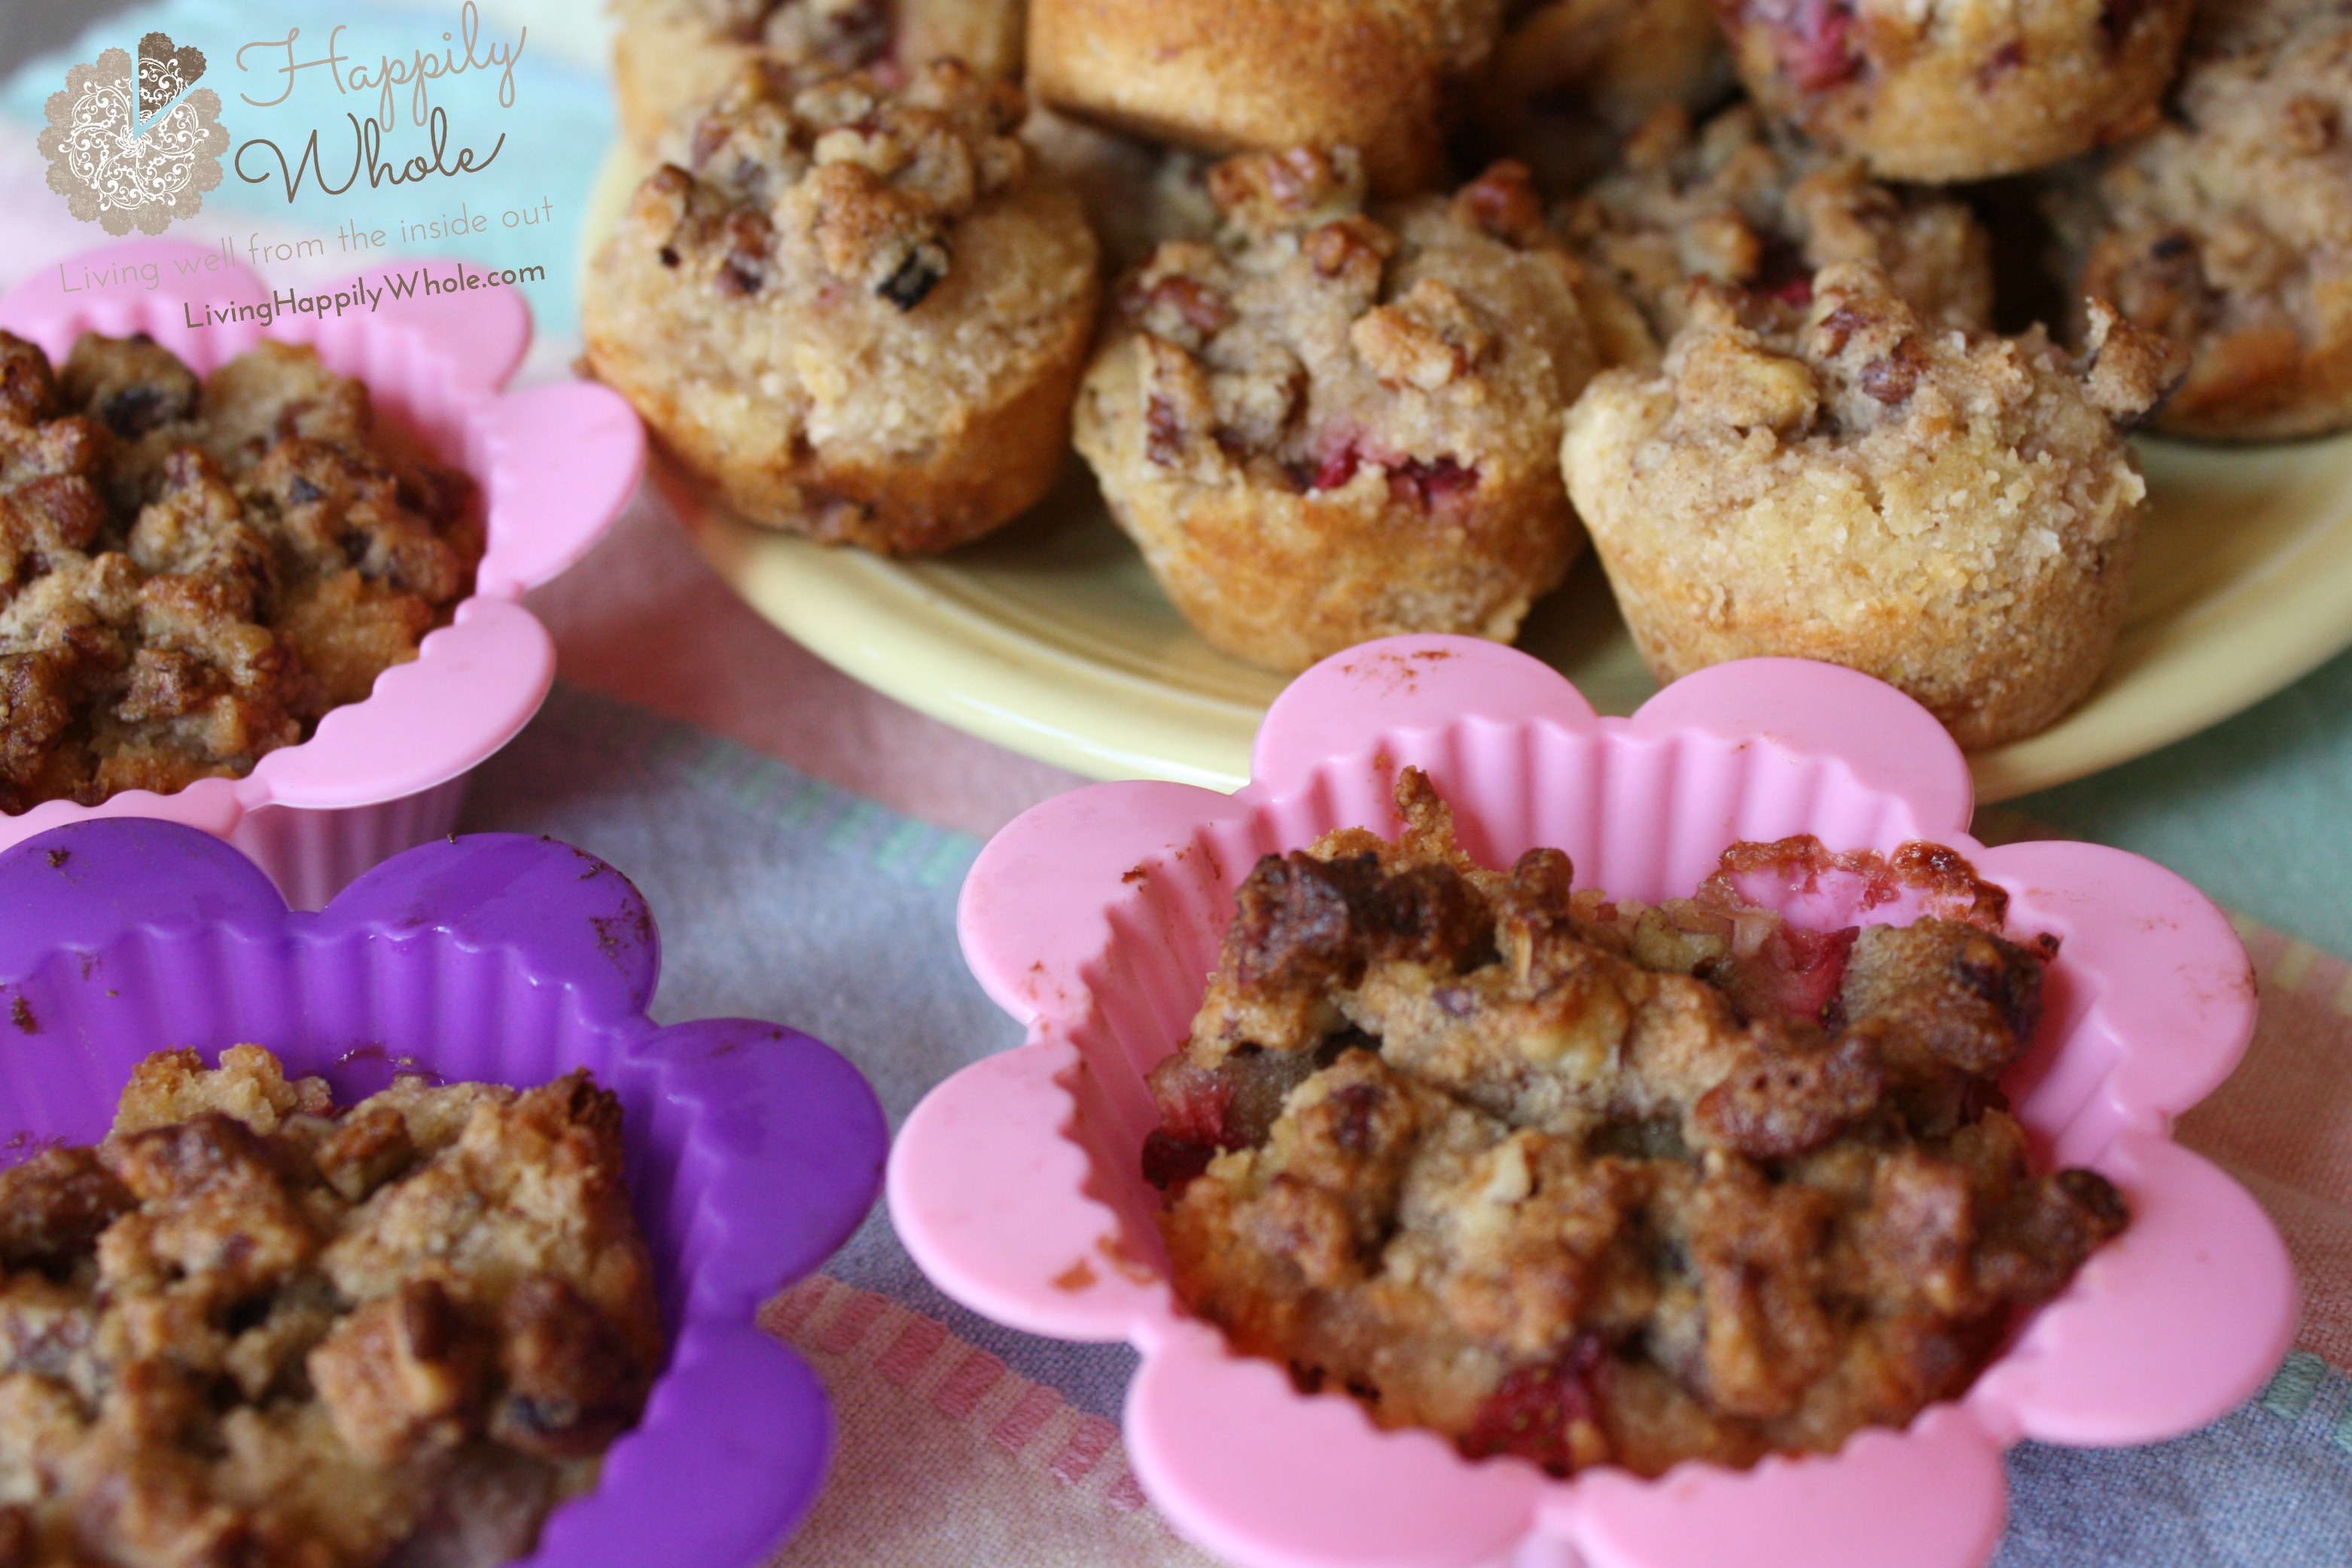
251,1327
1316,341
873,182
845,33
1591,1182
1858,359
192,574
1726,203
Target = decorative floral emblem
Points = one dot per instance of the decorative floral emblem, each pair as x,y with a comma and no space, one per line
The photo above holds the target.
137,147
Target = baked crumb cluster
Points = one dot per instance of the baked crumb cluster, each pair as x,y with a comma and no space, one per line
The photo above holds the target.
858,312
252,1327
2229,229
875,179
1587,1182
1333,422
1723,202
1951,512
192,572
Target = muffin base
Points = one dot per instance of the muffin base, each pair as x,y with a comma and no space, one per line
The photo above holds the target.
1283,578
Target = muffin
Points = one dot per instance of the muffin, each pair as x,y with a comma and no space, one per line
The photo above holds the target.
1728,203
860,315
671,56
255,1327
1333,425
1958,89
1223,75
1953,513
1591,1182
192,572
1572,79
2229,230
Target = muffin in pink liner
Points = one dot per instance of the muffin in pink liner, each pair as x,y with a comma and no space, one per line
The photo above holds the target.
752,1151
555,464
1097,917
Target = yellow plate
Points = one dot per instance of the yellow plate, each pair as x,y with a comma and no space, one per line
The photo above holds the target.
1052,639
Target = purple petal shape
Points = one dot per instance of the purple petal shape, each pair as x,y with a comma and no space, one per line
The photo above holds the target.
90,882
753,1150
564,913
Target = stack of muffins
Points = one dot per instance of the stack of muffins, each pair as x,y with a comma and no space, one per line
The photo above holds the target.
1367,312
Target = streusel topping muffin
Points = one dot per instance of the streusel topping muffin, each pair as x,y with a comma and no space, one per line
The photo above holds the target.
671,56
1728,203
1958,89
1334,424
253,1327
2229,229
1950,512
1571,78
192,571
860,315
1588,1182
1223,75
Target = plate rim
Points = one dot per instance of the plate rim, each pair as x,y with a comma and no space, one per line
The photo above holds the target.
980,675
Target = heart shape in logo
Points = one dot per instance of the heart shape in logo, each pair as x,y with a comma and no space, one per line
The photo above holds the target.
165,73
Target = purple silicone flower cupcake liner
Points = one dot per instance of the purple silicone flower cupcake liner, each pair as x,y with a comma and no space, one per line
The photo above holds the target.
753,1150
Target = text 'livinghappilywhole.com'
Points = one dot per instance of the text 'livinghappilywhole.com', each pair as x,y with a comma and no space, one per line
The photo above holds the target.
424,280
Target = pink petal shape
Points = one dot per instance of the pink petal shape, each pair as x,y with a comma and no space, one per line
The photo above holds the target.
991,1202
472,686
213,805
57,305
1209,1432
478,336
1890,746
1933,1496
1028,953
2183,1316
2148,960
577,451
1416,683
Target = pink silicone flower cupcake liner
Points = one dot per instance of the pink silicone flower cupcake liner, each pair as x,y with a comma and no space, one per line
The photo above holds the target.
555,464
1095,917
753,1150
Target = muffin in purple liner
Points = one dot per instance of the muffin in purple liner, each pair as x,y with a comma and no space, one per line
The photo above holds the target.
752,1151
